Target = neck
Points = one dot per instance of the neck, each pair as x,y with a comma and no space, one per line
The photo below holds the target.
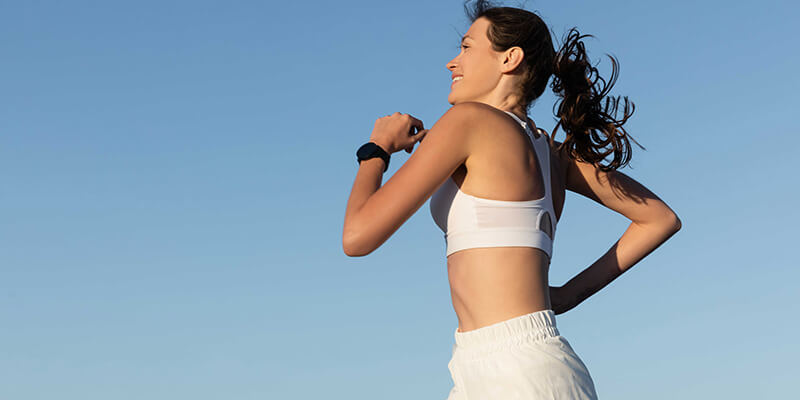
510,103
515,108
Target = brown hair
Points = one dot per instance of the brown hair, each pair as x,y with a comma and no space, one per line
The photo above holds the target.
585,112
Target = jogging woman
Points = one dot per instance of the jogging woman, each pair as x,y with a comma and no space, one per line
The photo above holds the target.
496,184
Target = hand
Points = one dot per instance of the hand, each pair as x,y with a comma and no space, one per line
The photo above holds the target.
394,132
560,300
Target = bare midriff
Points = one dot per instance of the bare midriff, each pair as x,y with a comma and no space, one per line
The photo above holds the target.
493,284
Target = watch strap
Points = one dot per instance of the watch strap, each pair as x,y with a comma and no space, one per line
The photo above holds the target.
377,151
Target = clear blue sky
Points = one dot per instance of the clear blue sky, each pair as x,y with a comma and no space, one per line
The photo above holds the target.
175,176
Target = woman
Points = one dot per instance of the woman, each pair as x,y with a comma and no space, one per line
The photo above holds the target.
497,187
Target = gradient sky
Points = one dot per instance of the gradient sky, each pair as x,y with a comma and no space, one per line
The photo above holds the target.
175,176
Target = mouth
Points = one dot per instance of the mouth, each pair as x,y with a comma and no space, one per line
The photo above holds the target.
456,79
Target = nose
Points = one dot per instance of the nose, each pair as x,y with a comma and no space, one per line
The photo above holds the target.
451,65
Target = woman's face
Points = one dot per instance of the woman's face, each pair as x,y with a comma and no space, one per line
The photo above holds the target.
477,65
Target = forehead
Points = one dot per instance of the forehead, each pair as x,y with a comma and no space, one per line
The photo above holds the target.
477,31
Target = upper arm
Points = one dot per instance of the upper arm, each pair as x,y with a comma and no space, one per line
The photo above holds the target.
619,192
444,148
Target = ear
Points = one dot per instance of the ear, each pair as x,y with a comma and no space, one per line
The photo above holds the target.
511,58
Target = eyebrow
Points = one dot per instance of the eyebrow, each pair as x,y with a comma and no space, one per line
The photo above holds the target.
465,38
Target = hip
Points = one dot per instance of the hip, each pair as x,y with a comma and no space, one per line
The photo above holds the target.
520,358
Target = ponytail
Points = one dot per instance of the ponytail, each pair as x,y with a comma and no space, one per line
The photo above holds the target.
584,112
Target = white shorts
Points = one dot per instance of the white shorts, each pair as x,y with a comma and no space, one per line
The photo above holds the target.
520,358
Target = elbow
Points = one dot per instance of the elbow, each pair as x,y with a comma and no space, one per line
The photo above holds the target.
665,221
674,223
669,220
352,247
350,251
348,247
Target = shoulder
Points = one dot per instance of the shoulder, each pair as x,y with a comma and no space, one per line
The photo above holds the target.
558,149
462,121
473,112
560,153
472,118
474,106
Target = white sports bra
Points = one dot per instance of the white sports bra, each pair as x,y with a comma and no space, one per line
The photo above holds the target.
468,221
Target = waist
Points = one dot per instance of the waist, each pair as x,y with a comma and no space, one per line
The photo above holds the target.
492,284
534,326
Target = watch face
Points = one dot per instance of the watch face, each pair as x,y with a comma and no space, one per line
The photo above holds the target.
367,150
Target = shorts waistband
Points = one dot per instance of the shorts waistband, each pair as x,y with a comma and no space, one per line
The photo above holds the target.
535,326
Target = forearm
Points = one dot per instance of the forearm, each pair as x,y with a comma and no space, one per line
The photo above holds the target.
637,242
368,180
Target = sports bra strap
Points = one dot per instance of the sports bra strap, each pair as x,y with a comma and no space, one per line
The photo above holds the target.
542,155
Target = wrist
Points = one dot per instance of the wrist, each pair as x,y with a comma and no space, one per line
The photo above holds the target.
377,161
371,150
385,146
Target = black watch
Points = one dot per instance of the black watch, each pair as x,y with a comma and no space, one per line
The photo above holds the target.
371,150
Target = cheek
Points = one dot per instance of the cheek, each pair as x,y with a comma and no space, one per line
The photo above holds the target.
481,76
486,66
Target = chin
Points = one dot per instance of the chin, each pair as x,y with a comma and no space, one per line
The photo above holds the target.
452,99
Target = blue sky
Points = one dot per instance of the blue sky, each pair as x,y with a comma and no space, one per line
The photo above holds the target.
175,176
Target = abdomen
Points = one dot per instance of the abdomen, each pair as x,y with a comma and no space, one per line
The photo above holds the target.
489,285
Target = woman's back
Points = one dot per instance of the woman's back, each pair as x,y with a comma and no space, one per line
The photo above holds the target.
493,282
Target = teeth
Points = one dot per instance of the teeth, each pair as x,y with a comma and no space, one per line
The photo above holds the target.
458,78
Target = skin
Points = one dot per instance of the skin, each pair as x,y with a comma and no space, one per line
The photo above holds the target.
488,155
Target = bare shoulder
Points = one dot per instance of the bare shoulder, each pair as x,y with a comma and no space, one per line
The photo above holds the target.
560,154
483,119
466,121
472,112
